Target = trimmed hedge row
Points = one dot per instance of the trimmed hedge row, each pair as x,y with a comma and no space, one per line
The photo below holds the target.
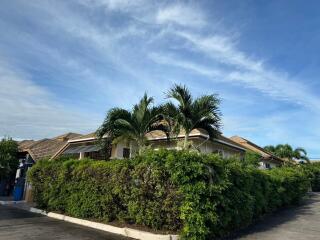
313,172
199,196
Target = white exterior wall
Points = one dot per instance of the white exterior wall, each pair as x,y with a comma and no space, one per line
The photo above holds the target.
263,165
204,147
117,151
210,147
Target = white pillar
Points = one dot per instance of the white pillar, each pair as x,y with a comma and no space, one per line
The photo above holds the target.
81,155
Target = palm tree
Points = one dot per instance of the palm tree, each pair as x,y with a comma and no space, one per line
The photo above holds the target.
270,148
301,154
287,152
132,126
189,113
284,151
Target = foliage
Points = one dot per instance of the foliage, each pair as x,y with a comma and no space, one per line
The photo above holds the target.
132,126
200,196
202,112
8,157
313,172
287,152
251,159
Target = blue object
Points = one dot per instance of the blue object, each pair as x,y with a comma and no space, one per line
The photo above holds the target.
3,187
18,193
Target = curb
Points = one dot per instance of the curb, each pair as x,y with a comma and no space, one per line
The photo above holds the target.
11,202
127,232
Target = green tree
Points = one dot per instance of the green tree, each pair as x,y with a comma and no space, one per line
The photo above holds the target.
288,152
202,112
252,159
132,126
8,157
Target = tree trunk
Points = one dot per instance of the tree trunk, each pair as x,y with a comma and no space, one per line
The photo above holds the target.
140,146
186,138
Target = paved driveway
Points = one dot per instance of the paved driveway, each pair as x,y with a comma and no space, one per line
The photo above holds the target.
298,223
17,224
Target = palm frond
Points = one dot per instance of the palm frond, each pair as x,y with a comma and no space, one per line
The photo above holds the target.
182,95
108,126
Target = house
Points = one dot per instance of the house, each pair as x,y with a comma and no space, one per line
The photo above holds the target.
268,160
88,146
200,140
30,151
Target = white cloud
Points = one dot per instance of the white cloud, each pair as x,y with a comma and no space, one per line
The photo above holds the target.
228,64
28,110
277,127
181,14
151,29
118,5
222,49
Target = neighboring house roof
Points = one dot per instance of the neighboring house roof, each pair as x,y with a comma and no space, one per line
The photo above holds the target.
83,138
45,148
255,148
25,144
156,136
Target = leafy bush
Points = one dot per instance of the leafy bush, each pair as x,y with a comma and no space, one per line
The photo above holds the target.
8,157
200,196
252,159
313,172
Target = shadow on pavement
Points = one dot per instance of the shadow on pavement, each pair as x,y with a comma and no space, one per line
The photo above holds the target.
279,218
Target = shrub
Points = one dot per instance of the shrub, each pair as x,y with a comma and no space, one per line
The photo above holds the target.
200,196
313,172
8,157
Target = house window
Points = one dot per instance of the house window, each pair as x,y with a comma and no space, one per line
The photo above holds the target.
268,165
126,153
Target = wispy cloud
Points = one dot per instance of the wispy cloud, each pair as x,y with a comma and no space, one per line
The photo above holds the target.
228,64
118,5
277,127
184,15
28,110
84,57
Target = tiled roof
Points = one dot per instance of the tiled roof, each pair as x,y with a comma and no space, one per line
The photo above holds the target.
67,136
228,140
157,135
25,144
45,148
255,148
83,137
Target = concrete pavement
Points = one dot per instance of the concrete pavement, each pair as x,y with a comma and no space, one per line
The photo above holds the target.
18,224
296,223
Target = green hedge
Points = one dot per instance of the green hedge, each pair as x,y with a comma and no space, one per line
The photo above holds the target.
199,196
313,172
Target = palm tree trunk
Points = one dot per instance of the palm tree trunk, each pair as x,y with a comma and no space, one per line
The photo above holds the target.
186,139
140,144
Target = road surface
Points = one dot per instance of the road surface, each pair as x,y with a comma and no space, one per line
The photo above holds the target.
296,223
18,224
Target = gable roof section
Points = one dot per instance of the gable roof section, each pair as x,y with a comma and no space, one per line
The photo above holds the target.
83,138
25,144
255,148
67,136
45,148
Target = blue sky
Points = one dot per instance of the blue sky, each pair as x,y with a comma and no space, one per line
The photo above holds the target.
63,64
